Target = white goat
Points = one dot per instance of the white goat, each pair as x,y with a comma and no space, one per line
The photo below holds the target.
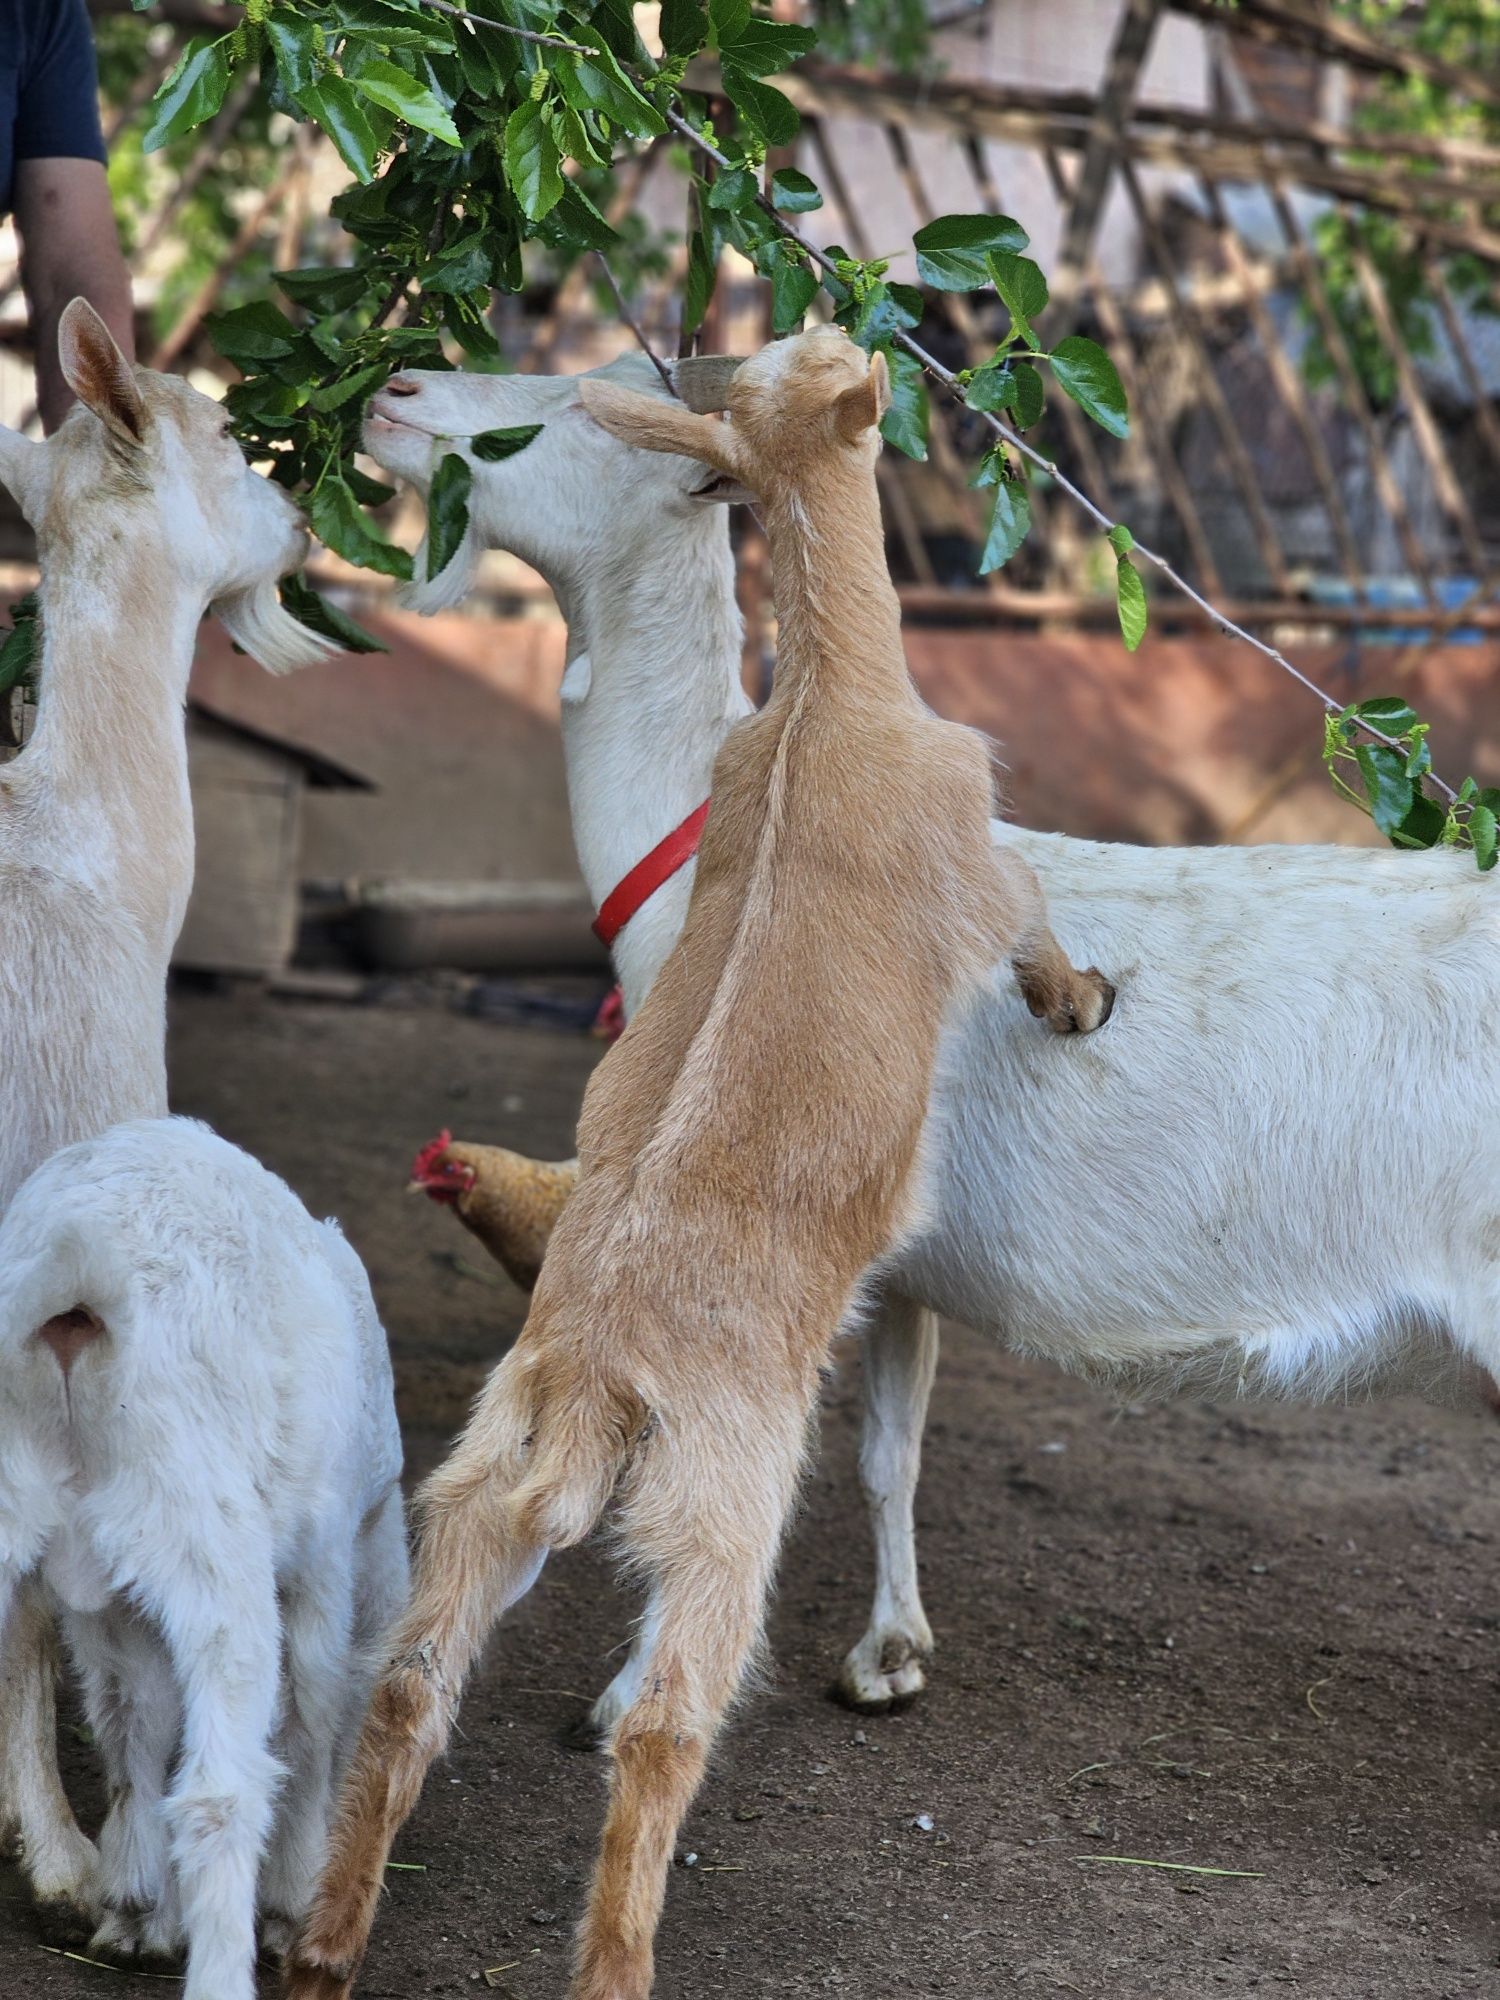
1274,1168
199,1453
145,515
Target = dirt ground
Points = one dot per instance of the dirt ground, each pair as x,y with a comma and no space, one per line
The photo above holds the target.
1247,1639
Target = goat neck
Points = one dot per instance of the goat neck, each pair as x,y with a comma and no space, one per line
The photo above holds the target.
104,781
652,684
839,614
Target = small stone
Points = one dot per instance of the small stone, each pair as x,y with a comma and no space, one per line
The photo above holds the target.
923,1823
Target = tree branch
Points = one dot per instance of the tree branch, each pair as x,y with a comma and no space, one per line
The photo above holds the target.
634,324
935,368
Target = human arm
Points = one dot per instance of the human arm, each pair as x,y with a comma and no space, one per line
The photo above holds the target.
69,244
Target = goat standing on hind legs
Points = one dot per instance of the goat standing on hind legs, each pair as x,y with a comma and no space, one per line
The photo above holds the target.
772,1090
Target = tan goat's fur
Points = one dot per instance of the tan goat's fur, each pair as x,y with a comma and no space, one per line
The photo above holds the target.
771,1092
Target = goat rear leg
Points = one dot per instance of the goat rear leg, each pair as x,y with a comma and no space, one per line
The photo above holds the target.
133,1709
473,1563
59,1862
225,1646
318,1618
885,1670
1069,1001
713,1570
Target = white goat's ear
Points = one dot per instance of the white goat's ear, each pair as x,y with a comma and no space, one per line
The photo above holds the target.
859,409
98,373
21,462
722,489
653,424
702,380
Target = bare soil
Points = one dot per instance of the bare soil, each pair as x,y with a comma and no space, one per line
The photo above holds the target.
1248,1639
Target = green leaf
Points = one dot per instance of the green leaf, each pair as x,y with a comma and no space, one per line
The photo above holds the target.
493,446
698,284
194,91
1090,378
1030,395
531,163
1484,831
993,469
1022,288
318,615
1120,539
1007,385
334,395
761,47
1387,787
1130,594
395,90
297,46
578,222
1425,824
794,192
334,106
992,387
875,320
447,511
19,651
794,285
387,26
684,27
736,189
1009,525
254,333
770,116
325,289
905,423
341,525
1388,713
463,266
597,83
951,250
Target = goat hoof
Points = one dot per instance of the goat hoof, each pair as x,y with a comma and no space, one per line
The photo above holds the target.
883,1674
278,1933
1087,1005
135,1937
65,1920
582,1734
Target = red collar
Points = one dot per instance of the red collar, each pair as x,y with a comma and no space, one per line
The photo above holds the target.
647,876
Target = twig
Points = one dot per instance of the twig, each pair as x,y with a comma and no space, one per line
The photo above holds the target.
935,368
634,324
103,1965
1176,1867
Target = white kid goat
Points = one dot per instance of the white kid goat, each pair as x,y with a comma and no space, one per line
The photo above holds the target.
145,516
1274,1169
199,1453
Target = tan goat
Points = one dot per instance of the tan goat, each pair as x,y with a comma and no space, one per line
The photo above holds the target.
771,1092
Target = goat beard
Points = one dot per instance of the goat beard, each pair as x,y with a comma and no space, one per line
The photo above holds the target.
452,584
259,623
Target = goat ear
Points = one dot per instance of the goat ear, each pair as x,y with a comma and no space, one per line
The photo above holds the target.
860,409
98,373
656,425
21,459
702,380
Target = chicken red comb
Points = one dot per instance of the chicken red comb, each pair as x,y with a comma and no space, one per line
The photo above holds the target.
430,1154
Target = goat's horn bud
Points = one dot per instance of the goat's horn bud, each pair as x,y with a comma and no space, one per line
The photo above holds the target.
703,380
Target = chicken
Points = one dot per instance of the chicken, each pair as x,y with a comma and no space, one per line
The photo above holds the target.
509,1202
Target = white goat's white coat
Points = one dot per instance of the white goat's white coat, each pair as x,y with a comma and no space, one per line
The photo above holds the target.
215,1477
136,537
1274,1167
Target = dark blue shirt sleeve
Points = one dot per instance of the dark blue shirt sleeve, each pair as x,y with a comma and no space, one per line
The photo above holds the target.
57,102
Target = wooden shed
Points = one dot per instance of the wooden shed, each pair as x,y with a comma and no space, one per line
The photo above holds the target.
248,795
